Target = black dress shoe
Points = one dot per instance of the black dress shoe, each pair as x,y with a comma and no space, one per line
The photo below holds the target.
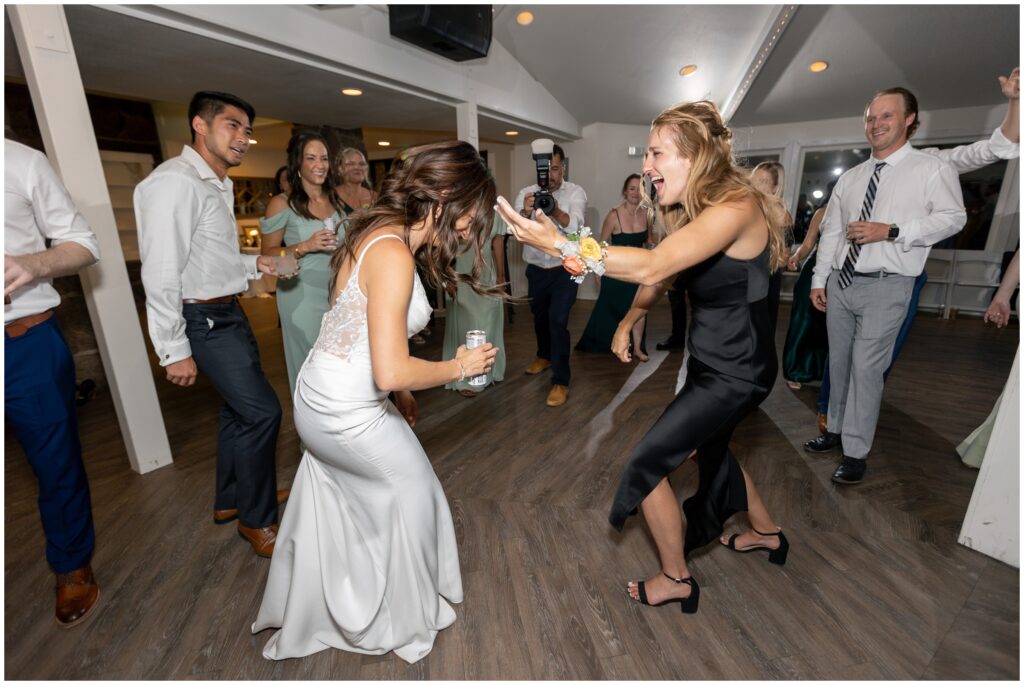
824,443
850,470
670,344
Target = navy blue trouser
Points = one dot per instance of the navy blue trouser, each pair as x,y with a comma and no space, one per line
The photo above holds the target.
552,294
39,404
901,337
225,350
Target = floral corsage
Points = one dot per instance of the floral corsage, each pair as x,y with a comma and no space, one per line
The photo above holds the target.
581,254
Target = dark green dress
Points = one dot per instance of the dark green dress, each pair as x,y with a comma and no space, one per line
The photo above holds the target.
613,303
806,348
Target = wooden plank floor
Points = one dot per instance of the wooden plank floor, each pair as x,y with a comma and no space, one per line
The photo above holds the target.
876,586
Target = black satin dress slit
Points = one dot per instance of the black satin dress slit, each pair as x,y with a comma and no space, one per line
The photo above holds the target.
731,370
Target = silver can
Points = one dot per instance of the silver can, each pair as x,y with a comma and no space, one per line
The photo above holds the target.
476,339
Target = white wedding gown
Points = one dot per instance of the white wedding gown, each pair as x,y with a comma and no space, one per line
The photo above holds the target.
366,556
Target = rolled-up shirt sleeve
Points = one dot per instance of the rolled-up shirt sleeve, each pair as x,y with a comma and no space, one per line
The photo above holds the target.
979,154
56,215
576,209
165,207
946,213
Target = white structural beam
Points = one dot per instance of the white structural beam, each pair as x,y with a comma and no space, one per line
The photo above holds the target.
467,123
356,41
770,35
54,81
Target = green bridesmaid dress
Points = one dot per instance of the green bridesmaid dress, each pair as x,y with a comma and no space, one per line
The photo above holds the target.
613,303
806,348
469,311
301,301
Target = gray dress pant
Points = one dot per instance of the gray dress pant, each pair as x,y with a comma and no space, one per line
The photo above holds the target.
863,321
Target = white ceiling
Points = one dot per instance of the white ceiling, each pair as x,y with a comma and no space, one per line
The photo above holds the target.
947,55
620,63
609,63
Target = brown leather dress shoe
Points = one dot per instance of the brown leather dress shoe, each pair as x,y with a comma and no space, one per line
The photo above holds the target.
261,539
77,595
537,366
222,516
822,423
558,395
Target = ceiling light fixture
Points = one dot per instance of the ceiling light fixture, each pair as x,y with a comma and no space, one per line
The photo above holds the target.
511,133
818,66
688,70
524,18
818,194
383,143
838,171
351,91
253,141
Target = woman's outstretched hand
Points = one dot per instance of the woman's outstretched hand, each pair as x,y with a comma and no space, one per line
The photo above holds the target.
539,232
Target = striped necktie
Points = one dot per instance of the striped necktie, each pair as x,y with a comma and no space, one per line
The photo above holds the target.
846,273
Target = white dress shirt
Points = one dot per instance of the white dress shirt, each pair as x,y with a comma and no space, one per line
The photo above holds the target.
917,191
188,242
573,201
37,208
966,158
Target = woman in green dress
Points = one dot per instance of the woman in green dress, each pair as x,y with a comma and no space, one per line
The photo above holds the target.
469,311
806,347
307,223
627,225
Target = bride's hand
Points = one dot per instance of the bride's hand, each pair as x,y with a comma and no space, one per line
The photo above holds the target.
620,343
539,232
407,406
478,360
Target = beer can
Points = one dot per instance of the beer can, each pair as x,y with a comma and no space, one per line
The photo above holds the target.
476,339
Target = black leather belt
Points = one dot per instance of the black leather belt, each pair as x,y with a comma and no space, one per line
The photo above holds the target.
873,274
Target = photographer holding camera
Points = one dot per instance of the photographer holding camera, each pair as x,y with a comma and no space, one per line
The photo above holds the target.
552,291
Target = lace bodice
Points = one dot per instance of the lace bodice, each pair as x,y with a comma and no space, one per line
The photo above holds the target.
343,332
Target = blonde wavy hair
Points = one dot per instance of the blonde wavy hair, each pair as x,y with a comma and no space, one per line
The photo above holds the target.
699,134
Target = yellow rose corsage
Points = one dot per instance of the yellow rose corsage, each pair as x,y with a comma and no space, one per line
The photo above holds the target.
581,254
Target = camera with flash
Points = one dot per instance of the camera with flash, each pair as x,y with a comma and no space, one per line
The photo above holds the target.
543,149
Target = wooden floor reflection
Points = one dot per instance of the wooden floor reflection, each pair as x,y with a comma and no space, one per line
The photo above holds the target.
876,586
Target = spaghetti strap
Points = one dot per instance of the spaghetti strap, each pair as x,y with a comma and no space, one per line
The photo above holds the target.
359,260
618,220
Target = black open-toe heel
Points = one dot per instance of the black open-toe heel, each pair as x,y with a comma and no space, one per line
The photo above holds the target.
775,556
687,604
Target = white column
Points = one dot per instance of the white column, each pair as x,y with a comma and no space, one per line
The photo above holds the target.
467,123
48,57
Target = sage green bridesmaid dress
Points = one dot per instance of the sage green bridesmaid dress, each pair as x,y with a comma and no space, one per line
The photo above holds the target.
301,301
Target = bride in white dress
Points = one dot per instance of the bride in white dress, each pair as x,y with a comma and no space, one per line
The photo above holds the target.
366,558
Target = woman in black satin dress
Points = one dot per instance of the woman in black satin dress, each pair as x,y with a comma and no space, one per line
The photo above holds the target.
722,239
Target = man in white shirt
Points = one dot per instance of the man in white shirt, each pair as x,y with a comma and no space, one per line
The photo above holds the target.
551,290
878,229
192,270
39,372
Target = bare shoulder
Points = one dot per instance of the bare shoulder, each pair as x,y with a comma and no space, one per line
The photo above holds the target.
277,204
389,254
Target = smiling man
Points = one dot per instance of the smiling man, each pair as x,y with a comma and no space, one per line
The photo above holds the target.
881,222
192,270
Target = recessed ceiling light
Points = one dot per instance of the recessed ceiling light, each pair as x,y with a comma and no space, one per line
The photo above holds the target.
511,133
253,141
818,194
524,18
818,66
351,91
688,70
383,143
838,171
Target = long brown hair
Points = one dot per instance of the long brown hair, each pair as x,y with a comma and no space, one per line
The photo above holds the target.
699,134
298,200
445,181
